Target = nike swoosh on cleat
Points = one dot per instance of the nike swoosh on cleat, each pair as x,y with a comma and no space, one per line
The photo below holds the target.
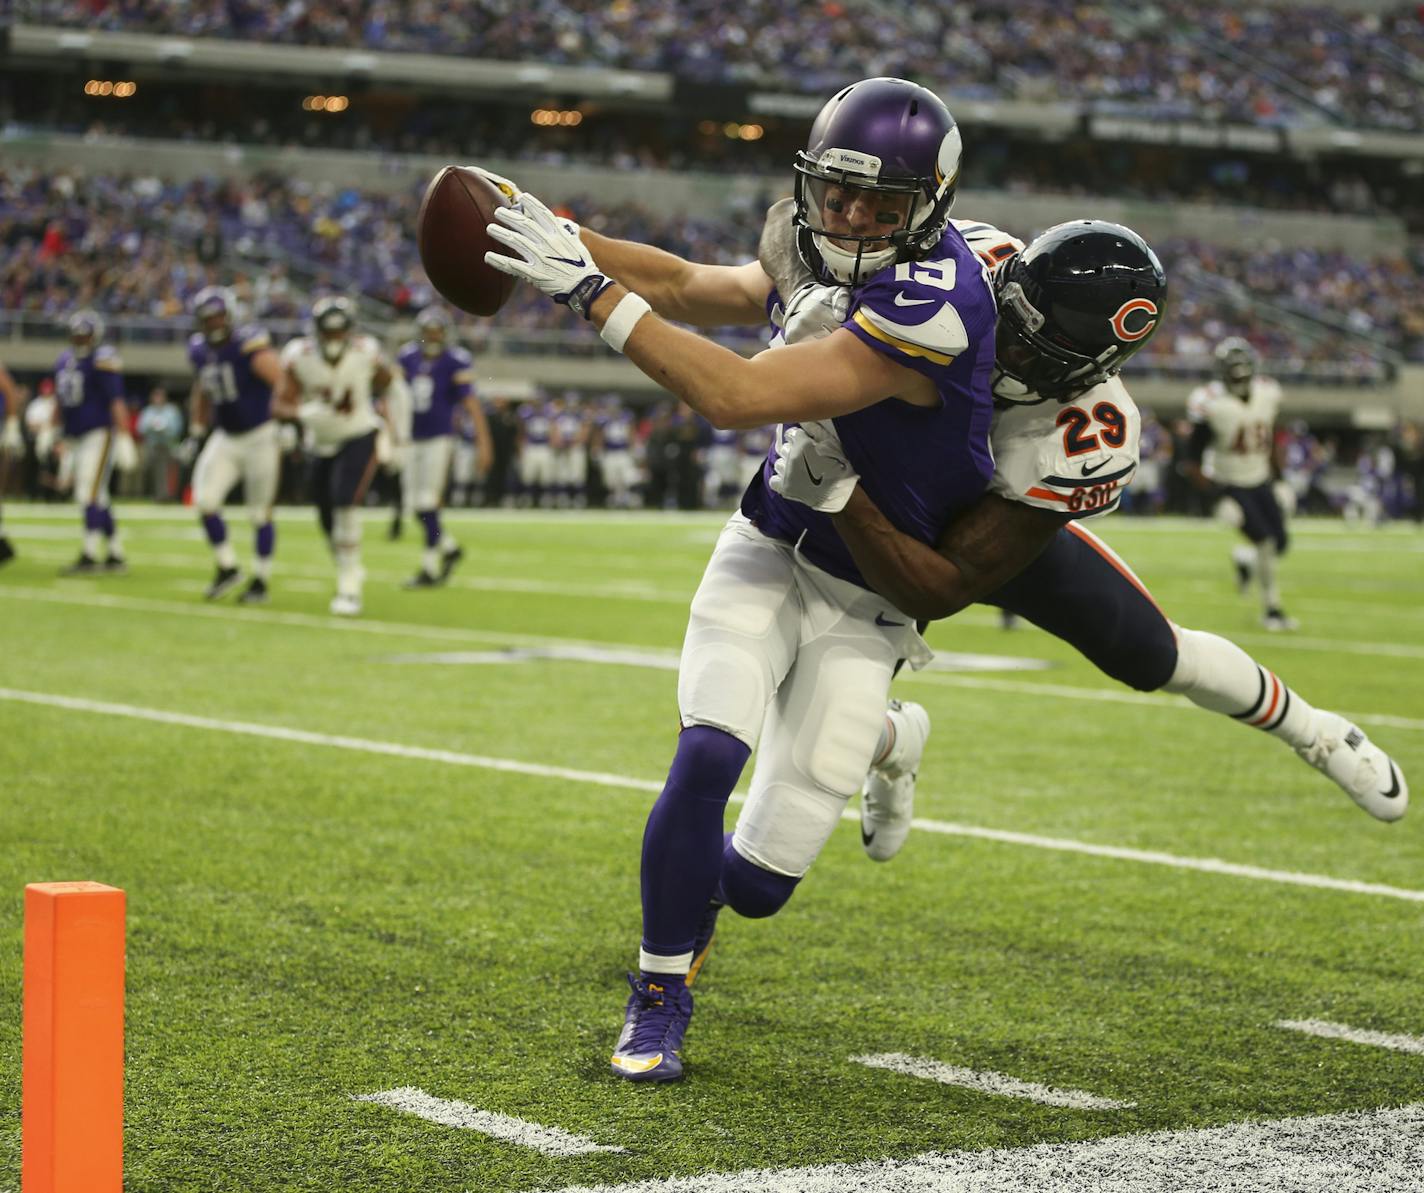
880,620
1102,464
1394,788
637,1066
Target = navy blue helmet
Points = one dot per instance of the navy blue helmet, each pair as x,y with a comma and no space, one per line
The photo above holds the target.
1075,305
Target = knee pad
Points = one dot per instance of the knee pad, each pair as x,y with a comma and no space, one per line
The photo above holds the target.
750,890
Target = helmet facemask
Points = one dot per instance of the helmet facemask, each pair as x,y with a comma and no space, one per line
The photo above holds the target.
1026,351
331,328
434,332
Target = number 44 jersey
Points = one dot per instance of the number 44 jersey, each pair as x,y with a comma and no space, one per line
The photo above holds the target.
1072,457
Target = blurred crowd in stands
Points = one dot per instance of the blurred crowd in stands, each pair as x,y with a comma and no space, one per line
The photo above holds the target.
1204,59
139,246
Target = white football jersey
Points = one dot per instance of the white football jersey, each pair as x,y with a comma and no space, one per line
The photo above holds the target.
336,402
1242,431
1072,457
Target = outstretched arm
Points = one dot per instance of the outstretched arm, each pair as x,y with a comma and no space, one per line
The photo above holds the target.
703,295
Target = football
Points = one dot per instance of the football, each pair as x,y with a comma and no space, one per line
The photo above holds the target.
450,231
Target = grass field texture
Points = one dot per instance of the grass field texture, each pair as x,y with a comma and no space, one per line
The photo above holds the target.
432,880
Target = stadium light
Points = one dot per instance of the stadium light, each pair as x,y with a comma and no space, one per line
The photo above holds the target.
105,88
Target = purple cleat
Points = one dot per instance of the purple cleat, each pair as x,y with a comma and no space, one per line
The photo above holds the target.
650,1045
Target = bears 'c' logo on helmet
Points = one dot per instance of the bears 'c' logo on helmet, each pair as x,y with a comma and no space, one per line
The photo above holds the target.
1141,327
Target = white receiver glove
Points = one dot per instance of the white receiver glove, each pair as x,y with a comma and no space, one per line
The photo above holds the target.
125,453
550,257
811,467
499,182
11,440
815,311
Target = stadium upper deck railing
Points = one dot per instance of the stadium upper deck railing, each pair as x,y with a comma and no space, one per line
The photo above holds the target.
1047,117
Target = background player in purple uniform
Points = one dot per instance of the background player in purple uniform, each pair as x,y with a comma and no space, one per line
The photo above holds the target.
440,378
787,645
12,444
89,385
235,369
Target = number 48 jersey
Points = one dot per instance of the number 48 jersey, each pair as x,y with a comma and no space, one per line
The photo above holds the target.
1242,430
1075,458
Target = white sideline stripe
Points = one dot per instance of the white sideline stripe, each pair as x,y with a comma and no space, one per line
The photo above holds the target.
552,1141
599,778
78,593
1356,1035
1204,865
1379,1151
282,733
988,1082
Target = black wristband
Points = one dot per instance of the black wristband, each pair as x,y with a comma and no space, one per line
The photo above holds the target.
582,297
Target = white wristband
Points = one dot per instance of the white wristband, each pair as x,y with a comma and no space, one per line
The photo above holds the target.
622,319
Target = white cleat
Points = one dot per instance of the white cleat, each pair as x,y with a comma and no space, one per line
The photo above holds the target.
1277,621
887,802
1368,775
343,605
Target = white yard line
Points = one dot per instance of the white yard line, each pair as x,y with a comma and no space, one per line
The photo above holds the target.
987,1082
86,594
603,779
551,1141
1379,1151
1355,1035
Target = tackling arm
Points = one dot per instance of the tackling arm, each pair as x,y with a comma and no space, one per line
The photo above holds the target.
703,295
983,548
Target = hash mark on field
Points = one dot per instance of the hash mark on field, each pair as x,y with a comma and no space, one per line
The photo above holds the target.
1380,1151
988,1082
1355,1035
552,1141
603,779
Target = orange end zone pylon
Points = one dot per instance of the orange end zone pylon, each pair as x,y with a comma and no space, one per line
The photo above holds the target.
72,1137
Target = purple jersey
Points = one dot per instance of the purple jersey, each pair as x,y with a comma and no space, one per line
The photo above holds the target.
918,464
617,431
240,399
536,423
438,385
87,387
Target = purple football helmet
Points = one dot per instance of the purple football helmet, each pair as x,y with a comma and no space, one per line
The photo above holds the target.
434,328
876,181
214,311
86,330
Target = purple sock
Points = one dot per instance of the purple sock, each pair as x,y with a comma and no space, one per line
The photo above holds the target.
106,522
215,528
93,518
748,889
266,540
430,519
682,845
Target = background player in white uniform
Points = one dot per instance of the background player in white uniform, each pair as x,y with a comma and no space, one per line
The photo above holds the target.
89,386
330,380
1077,588
12,445
787,646
1233,448
236,368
